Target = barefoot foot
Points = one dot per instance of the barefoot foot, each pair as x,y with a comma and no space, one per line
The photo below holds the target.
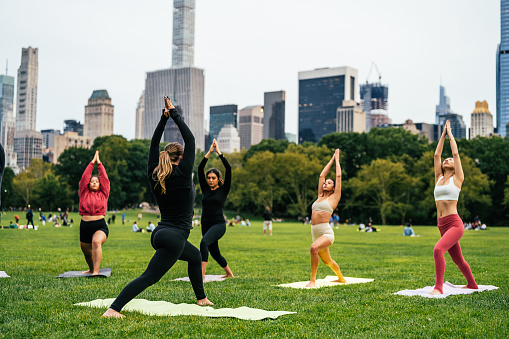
340,280
110,313
228,276
435,292
311,284
86,272
204,302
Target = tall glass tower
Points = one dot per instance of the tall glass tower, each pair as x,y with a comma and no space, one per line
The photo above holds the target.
183,33
503,71
183,83
321,92
221,116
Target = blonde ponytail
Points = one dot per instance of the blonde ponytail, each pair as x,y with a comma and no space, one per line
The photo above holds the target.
171,153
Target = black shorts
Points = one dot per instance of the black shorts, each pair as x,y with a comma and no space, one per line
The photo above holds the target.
88,228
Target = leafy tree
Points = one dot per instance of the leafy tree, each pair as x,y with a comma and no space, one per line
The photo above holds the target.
10,196
383,186
51,192
24,184
298,175
271,145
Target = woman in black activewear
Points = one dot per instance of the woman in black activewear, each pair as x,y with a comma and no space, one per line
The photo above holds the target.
170,177
213,226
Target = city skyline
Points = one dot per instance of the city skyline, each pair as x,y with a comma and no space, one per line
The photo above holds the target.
234,74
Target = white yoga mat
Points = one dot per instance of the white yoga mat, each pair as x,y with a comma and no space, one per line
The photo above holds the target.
208,278
448,289
164,308
4,275
328,281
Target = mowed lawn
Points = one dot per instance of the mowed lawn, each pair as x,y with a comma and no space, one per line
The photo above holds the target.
34,303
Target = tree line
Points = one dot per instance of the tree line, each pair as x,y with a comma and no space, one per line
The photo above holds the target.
387,176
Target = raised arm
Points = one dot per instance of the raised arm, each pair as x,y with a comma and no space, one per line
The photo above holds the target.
228,169
337,189
187,163
103,179
227,175
85,178
201,174
438,156
458,169
324,173
153,154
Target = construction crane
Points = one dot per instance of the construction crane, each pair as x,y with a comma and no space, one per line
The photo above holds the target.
371,69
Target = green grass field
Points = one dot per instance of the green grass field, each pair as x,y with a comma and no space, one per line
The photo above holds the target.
34,303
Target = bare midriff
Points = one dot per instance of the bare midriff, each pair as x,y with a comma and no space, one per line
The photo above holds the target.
446,207
92,217
319,217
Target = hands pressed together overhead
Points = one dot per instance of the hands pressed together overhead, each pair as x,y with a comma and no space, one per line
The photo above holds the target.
168,105
96,160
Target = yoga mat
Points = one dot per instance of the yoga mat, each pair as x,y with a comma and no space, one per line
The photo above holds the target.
103,272
208,278
164,308
327,282
448,289
4,275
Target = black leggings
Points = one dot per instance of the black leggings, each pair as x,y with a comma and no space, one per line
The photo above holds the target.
211,234
171,245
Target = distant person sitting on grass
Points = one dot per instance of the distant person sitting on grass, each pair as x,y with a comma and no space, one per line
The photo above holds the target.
135,227
94,193
150,227
408,231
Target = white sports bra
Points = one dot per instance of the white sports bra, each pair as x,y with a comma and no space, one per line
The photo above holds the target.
447,192
323,205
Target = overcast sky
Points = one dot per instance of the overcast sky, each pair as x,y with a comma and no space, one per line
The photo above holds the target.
248,47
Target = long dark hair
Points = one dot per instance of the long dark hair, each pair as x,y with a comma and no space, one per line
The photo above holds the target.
217,173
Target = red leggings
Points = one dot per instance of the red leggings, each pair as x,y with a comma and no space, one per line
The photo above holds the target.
451,230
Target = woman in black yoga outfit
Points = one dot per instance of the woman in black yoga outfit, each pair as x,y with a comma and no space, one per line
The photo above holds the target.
170,177
213,225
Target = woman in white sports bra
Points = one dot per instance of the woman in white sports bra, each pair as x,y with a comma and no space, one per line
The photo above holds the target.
329,193
448,180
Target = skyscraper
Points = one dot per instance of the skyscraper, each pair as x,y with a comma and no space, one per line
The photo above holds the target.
221,116
183,83
250,126
73,126
374,96
28,146
26,108
228,139
274,115
185,87
183,33
98,115
321,92
444,106
6,96
350,117
503,71
444,113
481,120
140,112
8,120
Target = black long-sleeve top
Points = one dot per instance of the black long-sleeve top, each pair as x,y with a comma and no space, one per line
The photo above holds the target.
2,167
176,205
213,200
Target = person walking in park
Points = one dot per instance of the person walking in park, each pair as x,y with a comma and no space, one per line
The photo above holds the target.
267,220
30,216
93,193
213,225
329,193
170,177
449,178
